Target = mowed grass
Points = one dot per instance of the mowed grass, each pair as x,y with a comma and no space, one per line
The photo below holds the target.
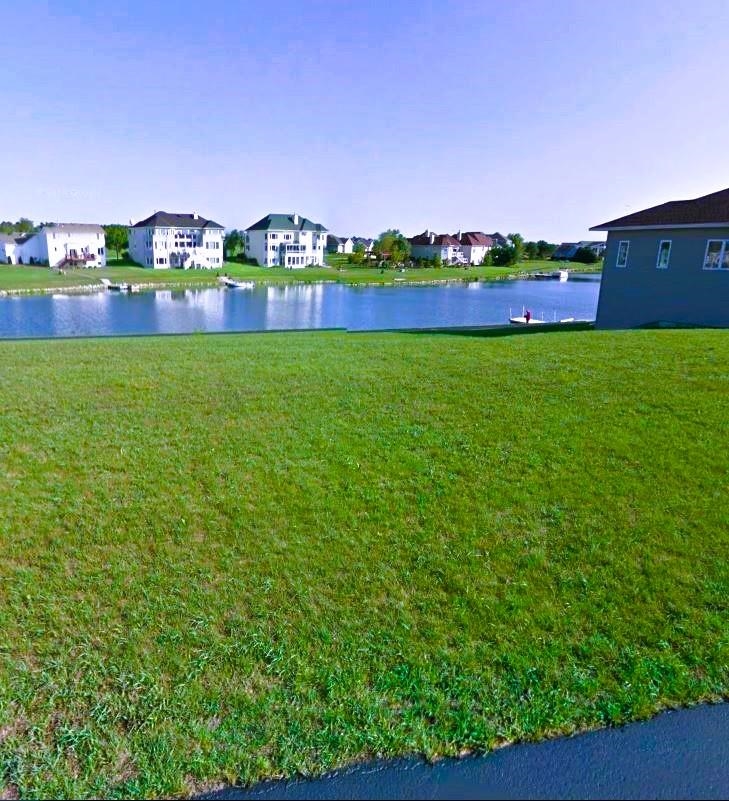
26,277
224,558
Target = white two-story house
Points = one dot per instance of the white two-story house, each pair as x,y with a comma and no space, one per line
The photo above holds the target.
183,241
286,240
57,245
475,245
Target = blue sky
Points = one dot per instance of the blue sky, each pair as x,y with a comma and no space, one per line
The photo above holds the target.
531,116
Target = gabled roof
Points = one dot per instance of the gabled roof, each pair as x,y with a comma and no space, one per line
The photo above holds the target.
285,222
710,210
73,228
438,239
363,239
476,238
165,219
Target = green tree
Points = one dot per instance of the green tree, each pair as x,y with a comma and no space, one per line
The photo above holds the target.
117,238
530,250
24,226
545,249
437,260
357,256
392,246
504,255
488,258
233,243
585,256
517,242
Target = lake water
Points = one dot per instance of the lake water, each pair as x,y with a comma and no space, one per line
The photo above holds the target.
300,306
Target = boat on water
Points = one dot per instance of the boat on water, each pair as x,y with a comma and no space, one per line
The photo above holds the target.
555,275
231,283
120,287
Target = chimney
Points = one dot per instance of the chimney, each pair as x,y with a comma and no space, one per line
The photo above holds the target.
296,218
458,235
432,237
194,215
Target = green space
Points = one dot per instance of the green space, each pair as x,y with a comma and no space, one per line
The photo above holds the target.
228,557
29,278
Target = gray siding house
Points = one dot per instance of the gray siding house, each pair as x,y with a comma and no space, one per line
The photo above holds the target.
669,263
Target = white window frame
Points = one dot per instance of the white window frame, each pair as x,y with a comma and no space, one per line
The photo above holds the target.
622,242
723,253
663,242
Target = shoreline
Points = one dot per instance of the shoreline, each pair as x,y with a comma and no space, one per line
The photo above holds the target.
154,286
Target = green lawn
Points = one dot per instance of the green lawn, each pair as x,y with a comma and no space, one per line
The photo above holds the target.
230,557
25,277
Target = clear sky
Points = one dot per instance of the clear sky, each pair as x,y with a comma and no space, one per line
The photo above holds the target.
537,116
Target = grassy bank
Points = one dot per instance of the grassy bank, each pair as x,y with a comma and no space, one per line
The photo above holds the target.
28,278
230,557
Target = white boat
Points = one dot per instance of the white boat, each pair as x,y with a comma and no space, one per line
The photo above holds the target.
116,287
555,275
233,284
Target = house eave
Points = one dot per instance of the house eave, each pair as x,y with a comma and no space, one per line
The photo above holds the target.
608,227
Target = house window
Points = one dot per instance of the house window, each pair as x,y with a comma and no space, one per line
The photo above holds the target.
273,236
717,255
622,260
664,254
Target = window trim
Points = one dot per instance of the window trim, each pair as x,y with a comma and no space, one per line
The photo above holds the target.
663,242
622,242
723,250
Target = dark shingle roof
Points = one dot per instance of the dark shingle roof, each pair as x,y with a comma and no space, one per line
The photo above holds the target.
438,239
285,222
165,219
710,209
476,238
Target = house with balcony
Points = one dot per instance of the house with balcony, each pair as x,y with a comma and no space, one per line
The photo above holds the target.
183,241
286,240
428,245
57,245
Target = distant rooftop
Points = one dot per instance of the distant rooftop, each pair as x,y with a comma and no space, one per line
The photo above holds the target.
285,222
166,219
78,228
438,239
